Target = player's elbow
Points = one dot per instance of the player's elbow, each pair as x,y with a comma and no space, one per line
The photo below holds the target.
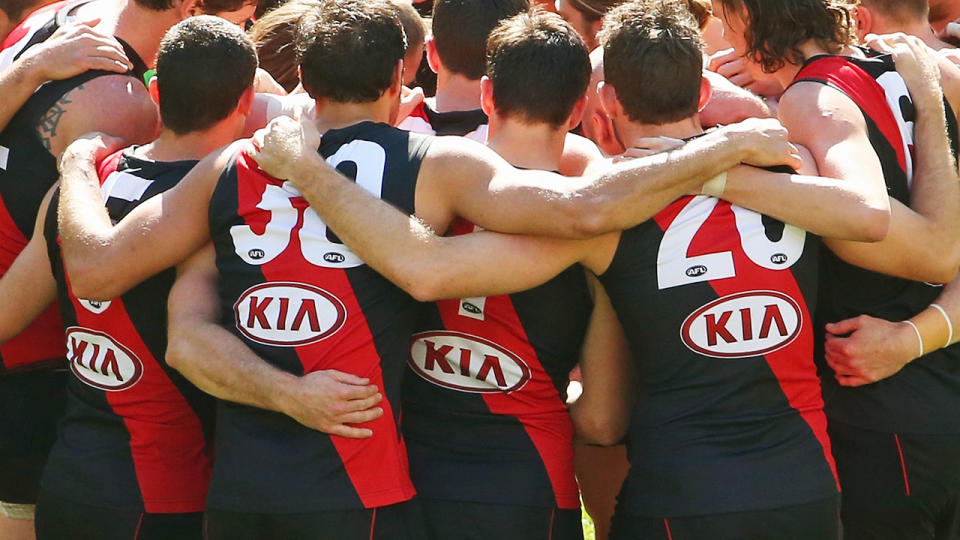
874,224
91,283
178,345
600,430
588,217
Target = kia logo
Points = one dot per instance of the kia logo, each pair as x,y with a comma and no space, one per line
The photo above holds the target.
466,363
101,361
287,314
743,325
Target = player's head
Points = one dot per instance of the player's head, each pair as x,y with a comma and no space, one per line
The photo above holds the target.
416,32
351,51
14,11
538,69
769,34
595,123
653,63
236,11
273,36
889,16
586,16
460,32
701,11
205,71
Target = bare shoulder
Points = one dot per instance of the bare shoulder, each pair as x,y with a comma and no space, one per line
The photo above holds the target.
579,155
810,109
950,81
118,105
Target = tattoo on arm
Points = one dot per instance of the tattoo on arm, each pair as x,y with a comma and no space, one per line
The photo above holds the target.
47,127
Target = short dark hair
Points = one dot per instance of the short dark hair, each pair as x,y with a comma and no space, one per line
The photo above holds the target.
652,56
412,22
776,30
915,9
16,10
594,10
461,29
204,65
273,36
701,10
349,49
539,66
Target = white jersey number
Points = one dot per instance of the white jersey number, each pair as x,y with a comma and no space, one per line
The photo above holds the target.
675,267
317,246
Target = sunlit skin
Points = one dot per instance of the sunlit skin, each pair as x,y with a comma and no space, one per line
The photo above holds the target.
586,28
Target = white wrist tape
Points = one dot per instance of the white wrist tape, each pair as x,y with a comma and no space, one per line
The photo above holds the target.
715,186
949,322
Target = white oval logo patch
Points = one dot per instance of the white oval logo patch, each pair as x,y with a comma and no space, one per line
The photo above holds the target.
101,361
466,363
742,325
95,306
288,314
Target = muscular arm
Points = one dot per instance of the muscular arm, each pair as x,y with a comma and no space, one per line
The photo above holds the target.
71,50
105,260
824,206
602,412
29,283
922,242
217,362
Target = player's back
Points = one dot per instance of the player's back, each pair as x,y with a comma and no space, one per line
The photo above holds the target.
715,301
302,301
848,291
27,172
130,417
486,408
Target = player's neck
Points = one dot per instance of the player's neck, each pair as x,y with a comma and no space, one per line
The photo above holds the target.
456,93
335,115
809,49
918,28
632,132
527,146
190,146
143,29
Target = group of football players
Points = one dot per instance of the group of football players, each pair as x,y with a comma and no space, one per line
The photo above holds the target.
452,269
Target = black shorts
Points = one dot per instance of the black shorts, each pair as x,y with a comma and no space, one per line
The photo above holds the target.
818,520
455,520
897,486
31,404
62,519
403,521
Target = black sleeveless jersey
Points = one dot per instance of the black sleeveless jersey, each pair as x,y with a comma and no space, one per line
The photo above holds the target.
304,302
485,416
425,119
27,171
923,397
716,304
136,432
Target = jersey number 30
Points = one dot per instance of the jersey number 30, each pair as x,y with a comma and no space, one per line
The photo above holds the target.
675,267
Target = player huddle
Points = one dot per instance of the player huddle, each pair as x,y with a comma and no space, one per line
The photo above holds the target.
349,312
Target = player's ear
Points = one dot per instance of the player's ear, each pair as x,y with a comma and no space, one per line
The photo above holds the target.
191,8
154,89
603,133
865,20
608,100
396,82
576,115
433,58
245,104
486,95
706,89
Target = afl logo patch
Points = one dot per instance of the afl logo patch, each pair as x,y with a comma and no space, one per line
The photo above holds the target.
743,325
287,314
101,361
466,363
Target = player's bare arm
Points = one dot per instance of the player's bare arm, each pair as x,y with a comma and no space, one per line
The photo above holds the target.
29,283
220,364
70,51
922,241
105,260
471,181
602,412
811,202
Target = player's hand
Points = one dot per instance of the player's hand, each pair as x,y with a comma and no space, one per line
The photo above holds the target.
914,61
410,98
864,350
764,142
334,402
264,83
286,146
649,146
732,66
91,148
73,49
